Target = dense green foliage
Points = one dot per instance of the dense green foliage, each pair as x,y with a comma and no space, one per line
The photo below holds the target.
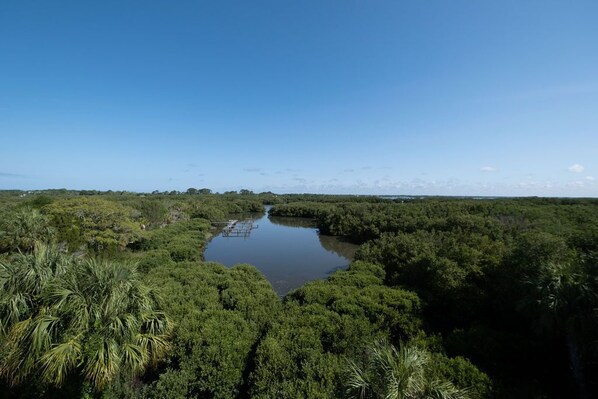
62,319
512,284
220,315
94,222
302,355
493,298
21,229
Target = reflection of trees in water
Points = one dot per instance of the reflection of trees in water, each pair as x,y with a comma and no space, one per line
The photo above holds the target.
341,248
245,215
292,222
329,243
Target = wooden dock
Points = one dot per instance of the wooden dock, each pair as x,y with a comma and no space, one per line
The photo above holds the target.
239,228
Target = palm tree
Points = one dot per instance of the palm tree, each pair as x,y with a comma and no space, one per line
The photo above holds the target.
92,320
22,281
23,229
392,373
562,300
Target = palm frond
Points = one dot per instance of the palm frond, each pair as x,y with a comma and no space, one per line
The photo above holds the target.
357,383
41,333
134,358
393,373
103,363
155,346
60,360
111,319
445,390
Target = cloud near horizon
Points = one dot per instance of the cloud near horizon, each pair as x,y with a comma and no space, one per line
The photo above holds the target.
576,168
14,175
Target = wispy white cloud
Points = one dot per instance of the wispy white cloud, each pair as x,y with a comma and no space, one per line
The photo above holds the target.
488,169
580,187
576,184
590,178
252,169
13,175
576,168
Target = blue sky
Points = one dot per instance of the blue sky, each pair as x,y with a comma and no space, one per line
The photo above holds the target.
382,97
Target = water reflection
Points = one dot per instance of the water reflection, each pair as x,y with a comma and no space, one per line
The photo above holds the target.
341,248
292,222
289,251
329,243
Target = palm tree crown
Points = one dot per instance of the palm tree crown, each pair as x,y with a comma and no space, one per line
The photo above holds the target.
60,317
23,229
392,373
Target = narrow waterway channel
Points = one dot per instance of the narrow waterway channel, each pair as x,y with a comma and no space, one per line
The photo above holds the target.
289,251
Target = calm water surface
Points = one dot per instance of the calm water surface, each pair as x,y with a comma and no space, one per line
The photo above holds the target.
289,251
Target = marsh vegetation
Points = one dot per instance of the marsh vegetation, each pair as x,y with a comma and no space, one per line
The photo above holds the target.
109,295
